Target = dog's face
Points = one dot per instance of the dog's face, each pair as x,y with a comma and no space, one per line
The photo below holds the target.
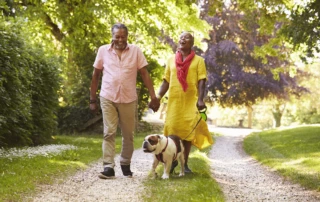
150,143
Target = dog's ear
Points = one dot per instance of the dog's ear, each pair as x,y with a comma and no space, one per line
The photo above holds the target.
159,137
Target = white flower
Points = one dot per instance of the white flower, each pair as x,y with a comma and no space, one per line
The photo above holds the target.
30,152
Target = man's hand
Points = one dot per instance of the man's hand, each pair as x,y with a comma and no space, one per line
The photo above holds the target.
154,104
94,108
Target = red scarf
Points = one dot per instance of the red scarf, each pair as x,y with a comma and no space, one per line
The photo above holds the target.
183,67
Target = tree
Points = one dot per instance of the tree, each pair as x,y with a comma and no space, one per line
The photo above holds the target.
245,62
304,28
78,27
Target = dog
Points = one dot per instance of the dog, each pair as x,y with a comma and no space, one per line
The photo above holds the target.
165,150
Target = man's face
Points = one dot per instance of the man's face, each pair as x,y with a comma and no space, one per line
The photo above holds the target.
185,41
119,38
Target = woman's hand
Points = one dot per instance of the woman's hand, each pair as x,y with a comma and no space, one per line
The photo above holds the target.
154,104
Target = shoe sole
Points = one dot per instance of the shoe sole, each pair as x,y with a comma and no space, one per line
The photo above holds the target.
105,177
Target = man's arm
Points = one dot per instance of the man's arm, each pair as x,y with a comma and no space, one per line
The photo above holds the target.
93,89
154,104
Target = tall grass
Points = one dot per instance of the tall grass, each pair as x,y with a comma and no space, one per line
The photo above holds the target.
293,152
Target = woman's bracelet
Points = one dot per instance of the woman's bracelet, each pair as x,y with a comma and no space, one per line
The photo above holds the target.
93,101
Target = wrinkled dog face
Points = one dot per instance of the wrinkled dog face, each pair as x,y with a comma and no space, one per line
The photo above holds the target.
150,143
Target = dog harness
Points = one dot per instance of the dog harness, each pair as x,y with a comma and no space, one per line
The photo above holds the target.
176,141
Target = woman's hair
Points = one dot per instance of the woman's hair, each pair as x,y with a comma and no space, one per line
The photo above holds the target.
119,26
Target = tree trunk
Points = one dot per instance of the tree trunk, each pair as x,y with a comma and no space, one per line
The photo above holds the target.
250,111
277,113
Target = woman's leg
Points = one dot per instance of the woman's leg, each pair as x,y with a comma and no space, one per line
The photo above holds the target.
187,148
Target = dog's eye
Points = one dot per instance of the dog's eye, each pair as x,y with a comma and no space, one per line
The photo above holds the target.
152,142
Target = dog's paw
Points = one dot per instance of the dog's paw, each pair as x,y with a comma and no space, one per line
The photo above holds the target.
181,174
164,176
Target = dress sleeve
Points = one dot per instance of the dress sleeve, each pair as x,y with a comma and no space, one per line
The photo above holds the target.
202,71
167,71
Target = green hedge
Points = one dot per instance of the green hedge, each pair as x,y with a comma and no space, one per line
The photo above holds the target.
29,81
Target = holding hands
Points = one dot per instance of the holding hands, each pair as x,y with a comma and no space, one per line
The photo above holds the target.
154,104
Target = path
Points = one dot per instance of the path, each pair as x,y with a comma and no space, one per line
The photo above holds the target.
243,179
85,186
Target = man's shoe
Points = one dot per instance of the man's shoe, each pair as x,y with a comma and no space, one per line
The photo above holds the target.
108,173
173,166
187,169
126,170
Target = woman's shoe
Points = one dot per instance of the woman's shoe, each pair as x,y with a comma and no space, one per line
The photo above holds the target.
174,164
187,169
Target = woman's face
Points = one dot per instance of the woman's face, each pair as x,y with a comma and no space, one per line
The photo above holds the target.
185,41
119,38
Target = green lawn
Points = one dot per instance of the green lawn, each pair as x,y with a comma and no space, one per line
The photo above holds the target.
199,186
293,152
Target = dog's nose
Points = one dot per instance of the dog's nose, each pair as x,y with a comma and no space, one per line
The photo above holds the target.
145,144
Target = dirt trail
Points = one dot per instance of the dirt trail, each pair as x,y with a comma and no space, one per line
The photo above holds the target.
244,179
241,178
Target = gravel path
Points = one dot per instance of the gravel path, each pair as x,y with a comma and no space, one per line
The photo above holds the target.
241,178
244,179
85,186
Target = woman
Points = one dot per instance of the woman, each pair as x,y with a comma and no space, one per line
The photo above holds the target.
185,78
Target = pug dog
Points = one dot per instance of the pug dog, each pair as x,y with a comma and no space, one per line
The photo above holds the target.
165,150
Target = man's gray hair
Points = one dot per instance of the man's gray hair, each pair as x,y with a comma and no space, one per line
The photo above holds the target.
119,26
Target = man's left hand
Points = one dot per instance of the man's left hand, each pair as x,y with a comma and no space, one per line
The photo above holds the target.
154,104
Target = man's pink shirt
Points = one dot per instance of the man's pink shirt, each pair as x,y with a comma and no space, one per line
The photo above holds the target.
119,77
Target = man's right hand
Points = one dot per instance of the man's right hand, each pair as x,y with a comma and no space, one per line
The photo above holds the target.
94,108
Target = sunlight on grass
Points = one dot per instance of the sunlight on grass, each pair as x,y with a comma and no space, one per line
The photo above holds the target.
294,152
199,186
66,163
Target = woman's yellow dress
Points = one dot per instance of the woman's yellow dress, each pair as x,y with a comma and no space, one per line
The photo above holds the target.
182,117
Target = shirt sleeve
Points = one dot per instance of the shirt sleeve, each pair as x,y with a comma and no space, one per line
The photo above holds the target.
142,61
98,63
202,71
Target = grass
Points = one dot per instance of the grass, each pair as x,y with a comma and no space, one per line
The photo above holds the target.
293,152
20,175
199,186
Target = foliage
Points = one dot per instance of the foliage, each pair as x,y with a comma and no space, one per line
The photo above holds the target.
28,84
78,29
245,62
307,109
294,152
304,27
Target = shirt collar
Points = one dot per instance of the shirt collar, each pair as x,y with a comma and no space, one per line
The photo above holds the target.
111,48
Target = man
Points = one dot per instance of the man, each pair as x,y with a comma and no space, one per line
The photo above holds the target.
119,63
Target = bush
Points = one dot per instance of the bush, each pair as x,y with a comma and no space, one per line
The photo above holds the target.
29,82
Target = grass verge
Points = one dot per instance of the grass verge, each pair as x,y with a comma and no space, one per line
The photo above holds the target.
293,152
19,176
199,186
